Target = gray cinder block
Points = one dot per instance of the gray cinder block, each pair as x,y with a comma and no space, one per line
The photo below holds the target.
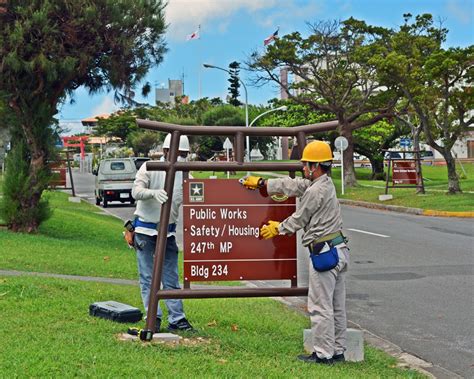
355,344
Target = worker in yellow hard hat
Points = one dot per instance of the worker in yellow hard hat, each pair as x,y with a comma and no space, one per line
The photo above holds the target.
318,214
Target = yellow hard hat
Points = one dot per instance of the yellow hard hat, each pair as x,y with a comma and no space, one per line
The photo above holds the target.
317,151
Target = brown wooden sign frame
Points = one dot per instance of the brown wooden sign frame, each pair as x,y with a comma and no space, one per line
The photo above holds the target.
417,159
171,166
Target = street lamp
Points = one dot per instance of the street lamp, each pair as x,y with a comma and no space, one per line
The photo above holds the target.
282,108
247,138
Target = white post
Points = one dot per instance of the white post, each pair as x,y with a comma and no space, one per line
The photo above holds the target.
227,151
342,172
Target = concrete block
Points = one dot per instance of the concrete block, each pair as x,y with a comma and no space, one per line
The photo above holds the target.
73,199
157,337
355,344
385,197
166,337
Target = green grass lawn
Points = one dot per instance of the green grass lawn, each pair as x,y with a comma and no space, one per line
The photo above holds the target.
435,197
436,184
79,240
47,332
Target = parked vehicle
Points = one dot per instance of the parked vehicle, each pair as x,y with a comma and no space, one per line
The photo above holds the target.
114,180
427,157
139,161
392,155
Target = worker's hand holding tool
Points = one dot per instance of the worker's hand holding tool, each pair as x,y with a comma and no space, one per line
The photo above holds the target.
160,195
270,230
252,182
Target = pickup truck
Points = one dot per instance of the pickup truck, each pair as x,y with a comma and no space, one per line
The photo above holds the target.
114,180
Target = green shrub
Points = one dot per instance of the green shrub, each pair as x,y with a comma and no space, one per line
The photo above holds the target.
14,205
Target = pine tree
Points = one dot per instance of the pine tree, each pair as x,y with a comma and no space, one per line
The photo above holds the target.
49,48
234,84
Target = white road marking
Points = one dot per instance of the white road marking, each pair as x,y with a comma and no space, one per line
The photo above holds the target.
373,234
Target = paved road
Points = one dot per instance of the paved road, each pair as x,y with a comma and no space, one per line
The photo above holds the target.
414,287
410,282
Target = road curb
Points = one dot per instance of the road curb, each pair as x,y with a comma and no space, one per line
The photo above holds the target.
400,209
431,212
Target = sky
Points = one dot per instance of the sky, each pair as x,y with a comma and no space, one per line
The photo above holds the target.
232,29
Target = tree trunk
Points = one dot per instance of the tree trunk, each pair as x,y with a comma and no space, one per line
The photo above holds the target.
416,147
377,168
27,219
453,179
29,210
348,159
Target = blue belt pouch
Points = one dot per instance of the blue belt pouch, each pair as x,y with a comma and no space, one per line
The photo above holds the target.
324,261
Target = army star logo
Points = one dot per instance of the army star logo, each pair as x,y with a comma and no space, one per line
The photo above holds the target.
196,192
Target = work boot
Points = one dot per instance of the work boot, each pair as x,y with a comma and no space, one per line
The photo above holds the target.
182,325
313,358
339,358
158,325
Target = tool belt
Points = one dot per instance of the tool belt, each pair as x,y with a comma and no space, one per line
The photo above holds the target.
332,240
152,225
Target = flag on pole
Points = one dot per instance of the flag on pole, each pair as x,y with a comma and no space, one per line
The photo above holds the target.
194,35
270,38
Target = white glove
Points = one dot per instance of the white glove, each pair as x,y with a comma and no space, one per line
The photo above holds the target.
160,195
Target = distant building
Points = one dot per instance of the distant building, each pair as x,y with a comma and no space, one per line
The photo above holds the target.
167,95
91,122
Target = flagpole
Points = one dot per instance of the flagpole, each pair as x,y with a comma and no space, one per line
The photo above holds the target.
200,63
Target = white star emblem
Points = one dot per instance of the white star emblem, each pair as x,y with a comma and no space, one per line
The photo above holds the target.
196,190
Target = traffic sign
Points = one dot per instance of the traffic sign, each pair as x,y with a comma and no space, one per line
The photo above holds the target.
228,144
341,143
405,142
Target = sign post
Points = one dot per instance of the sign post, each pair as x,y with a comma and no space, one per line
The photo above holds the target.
227,146
341,144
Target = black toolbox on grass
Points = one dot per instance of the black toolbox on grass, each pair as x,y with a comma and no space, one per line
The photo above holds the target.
115,311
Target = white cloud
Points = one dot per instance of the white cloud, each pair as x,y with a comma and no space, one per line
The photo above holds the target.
184,16
287,11
460,10
106,106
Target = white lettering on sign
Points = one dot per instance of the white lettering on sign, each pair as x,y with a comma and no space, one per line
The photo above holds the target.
202,214
248,230
204,272
201,247
224,247
237,214
200,271
204,231
225,213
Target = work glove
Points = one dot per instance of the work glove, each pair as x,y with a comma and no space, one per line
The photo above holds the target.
252,182
160,195
270,230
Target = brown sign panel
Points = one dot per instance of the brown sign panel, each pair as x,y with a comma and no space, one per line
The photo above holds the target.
404,172
58,172
222,222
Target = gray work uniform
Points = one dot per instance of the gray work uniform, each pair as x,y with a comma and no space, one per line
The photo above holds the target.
319,215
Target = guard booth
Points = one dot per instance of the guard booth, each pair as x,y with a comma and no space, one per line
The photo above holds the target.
222,220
